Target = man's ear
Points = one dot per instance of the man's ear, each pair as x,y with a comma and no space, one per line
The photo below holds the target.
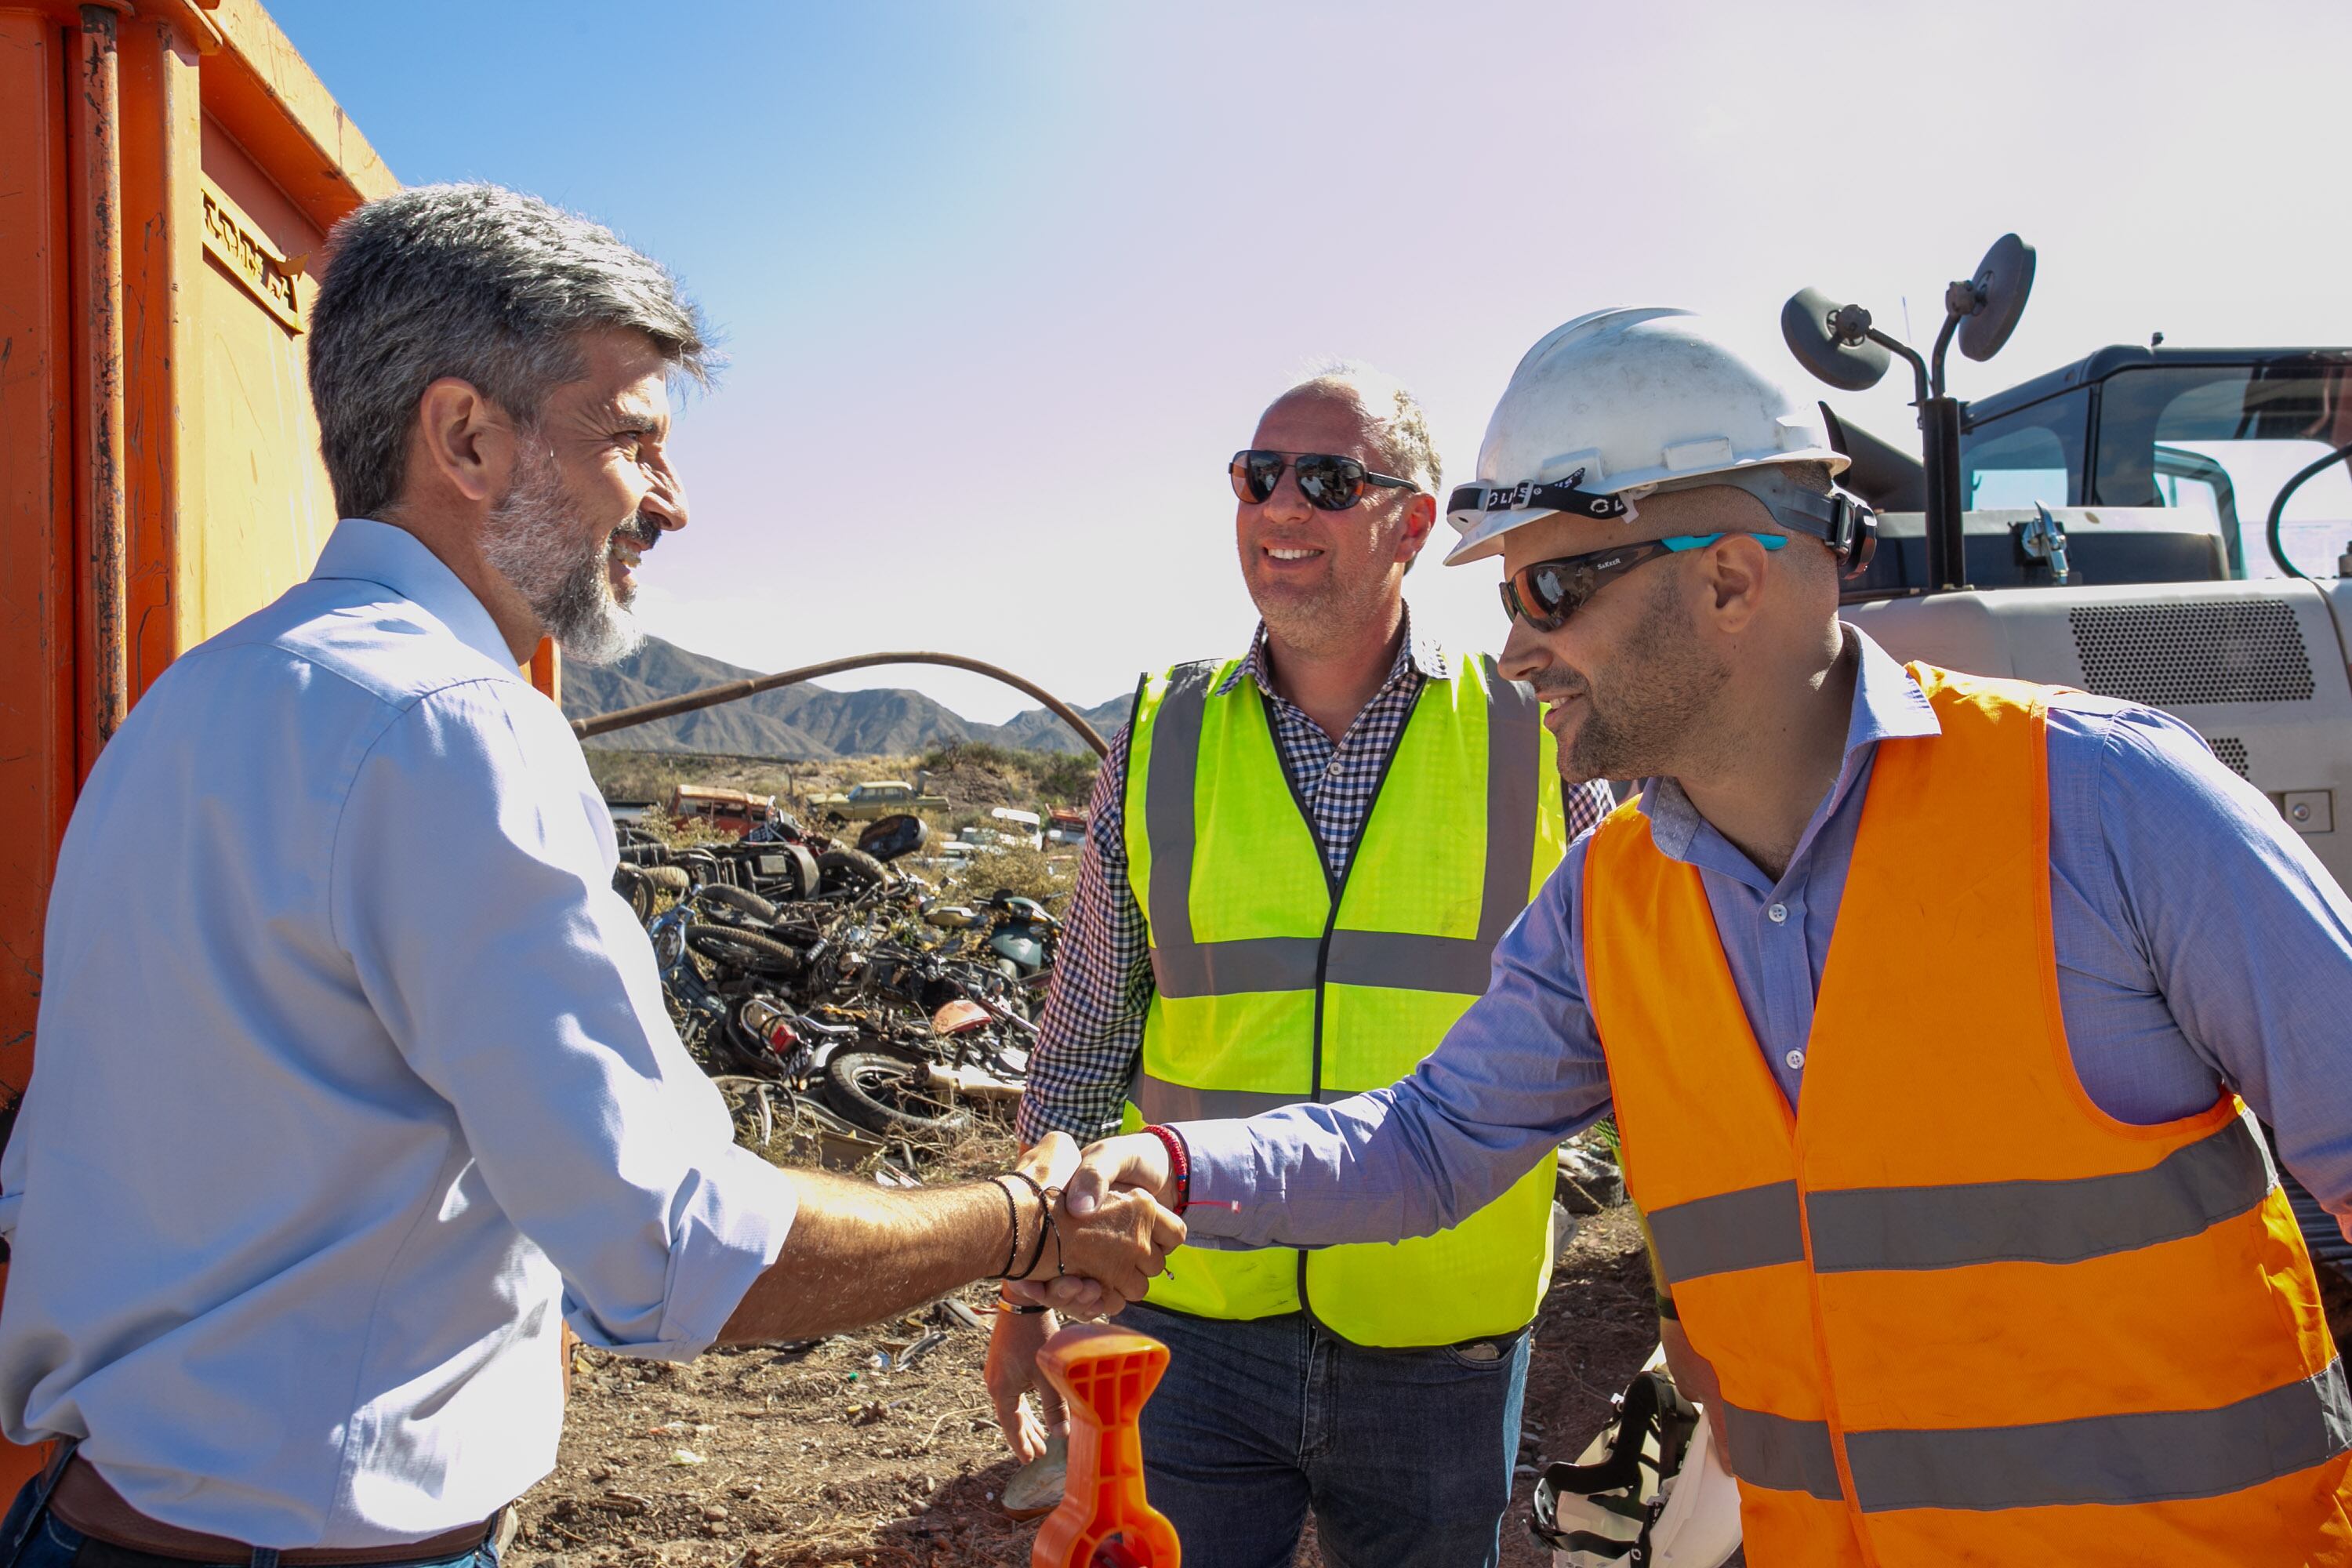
1733,570
1420,518
465,443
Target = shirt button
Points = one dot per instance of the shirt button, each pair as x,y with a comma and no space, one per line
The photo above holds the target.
1795,1060
1779,915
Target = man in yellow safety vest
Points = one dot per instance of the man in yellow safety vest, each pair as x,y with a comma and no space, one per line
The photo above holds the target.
1298,864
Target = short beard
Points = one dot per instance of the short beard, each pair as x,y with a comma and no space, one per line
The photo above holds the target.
1333,621
1660,696
533,539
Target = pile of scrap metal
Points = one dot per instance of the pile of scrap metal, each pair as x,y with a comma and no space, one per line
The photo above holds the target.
830,990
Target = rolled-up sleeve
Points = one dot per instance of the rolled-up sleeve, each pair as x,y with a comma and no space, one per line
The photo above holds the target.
1520,1071
473,895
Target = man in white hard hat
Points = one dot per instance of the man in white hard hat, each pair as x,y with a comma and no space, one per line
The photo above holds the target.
1929,1008
1299,861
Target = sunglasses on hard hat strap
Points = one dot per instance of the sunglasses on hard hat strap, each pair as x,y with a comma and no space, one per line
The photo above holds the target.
1468,503
1329,482
1545,594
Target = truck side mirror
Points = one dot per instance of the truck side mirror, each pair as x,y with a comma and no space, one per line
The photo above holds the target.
1829,339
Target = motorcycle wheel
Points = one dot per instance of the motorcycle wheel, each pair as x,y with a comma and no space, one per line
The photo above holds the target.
740,948
734,897
631,884
889,1095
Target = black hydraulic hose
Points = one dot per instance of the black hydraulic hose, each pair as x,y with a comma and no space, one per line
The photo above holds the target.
735,690
2278,509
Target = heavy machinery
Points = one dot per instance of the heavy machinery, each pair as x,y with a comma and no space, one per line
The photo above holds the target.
2090,527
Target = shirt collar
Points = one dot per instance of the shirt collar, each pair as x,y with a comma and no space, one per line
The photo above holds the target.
364,550
1887,705
1415,653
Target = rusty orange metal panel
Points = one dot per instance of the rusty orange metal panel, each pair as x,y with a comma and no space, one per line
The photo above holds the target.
37,520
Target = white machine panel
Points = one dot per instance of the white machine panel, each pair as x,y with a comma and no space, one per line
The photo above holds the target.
2257,668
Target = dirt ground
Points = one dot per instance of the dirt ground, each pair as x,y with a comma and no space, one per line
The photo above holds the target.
839,1454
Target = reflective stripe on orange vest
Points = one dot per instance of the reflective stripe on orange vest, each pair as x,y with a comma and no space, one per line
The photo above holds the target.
1957,1312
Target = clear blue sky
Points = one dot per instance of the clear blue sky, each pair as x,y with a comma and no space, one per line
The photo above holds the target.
1004,284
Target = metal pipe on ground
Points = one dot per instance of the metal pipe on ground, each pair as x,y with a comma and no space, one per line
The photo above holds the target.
736,691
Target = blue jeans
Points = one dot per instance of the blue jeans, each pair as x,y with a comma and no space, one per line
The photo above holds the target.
34,1537
1404,1455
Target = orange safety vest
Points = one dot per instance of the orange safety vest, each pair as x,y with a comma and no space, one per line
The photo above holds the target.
1957,1312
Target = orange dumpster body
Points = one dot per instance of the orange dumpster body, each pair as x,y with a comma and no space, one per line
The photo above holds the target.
167,172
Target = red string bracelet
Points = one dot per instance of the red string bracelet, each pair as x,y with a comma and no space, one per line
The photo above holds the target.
1179,1162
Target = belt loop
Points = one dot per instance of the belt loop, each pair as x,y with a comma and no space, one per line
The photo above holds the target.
265,1557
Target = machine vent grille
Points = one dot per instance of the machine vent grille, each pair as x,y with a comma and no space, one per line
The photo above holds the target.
2238,650
2232,750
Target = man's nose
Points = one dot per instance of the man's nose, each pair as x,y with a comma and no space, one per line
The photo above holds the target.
665,501
1289,504
1524,653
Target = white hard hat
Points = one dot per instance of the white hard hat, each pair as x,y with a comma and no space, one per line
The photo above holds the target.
1650,1489
1618,403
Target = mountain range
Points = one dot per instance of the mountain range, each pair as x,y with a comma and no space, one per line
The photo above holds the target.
798,723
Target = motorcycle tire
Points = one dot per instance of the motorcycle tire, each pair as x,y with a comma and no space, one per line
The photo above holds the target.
666,879
848,871
632,885
736,948
887,1094
736,898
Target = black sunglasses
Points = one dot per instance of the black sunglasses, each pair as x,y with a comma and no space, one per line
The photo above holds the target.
1329,482
1545,594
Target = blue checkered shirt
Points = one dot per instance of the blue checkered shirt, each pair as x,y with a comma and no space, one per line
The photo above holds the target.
1092,1031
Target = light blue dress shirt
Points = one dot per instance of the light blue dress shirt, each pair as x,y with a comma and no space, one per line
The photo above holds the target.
354,1081
2198,944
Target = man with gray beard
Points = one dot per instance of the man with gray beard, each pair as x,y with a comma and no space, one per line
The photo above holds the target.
334,921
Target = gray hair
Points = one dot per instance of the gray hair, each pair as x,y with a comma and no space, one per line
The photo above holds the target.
478,283
1400,428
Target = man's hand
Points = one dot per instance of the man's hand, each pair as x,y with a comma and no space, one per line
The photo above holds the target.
1129,1166
1050,1161
1135,1159
1011,1377
1693,1377
1118,1244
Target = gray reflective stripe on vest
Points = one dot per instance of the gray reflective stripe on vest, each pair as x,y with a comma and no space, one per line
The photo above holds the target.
2151,1456
1168,807
2189,1190
1784,1454
1862,1228
1399,961
1753,1228
1158,1101
2139,1458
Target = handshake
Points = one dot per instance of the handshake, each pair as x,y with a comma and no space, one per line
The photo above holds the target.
1107,1228
1116,1223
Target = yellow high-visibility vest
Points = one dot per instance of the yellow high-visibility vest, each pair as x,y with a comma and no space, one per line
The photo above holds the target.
1275,984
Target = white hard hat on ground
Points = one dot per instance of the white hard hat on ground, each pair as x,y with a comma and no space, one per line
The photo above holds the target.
1650,1490
1619,402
